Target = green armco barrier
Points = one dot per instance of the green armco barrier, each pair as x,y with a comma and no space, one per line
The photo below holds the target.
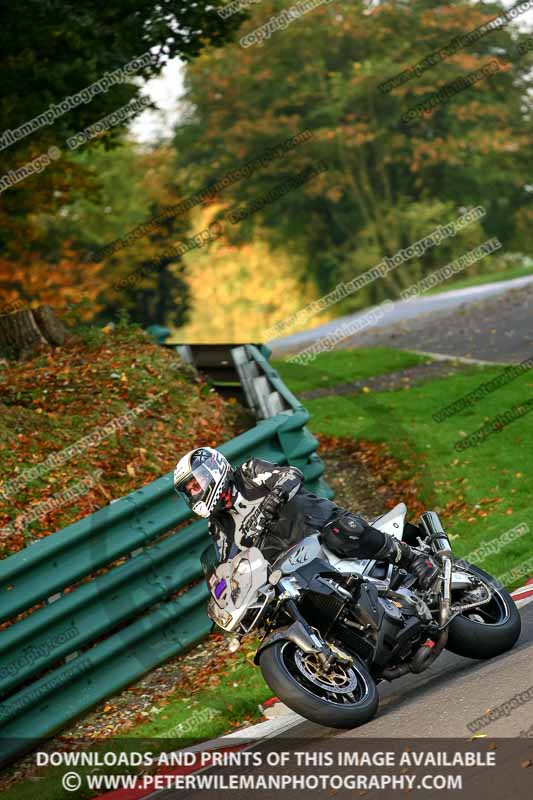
61,696
85,614
85,636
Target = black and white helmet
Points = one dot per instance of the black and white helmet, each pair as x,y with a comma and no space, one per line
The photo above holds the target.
202,478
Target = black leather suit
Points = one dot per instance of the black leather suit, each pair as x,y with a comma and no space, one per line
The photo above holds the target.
301,514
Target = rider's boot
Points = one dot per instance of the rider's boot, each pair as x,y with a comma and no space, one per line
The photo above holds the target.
400,554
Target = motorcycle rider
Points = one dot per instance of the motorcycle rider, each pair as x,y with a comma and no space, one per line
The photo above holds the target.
266,505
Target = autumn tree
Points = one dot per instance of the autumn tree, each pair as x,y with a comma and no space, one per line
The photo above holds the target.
238,291
388,183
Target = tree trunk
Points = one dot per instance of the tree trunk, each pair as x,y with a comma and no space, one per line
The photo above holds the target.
50,326
23,331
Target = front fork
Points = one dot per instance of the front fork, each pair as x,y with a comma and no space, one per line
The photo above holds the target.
312,641
301,633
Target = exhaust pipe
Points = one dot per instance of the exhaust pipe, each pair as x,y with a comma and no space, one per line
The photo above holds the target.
426,654
432,527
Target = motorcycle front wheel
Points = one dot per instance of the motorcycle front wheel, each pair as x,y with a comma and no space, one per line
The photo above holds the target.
489,630
344,697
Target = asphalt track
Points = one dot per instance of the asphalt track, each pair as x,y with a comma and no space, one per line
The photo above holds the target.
490,323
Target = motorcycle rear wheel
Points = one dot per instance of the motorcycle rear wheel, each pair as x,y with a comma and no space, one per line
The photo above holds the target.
489,630
345,698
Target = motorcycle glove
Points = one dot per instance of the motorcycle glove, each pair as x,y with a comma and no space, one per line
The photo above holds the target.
272,504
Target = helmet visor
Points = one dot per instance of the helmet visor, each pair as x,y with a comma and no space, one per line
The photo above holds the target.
196,486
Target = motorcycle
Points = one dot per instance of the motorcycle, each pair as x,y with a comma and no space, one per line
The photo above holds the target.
333,628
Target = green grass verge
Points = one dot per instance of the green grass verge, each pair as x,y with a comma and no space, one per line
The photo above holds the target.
231,696
458,484
343,366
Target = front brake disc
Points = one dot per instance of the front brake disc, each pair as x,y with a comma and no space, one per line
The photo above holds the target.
340,678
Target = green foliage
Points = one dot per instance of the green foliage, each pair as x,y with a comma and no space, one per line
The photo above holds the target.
65,48
505,270
91,335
